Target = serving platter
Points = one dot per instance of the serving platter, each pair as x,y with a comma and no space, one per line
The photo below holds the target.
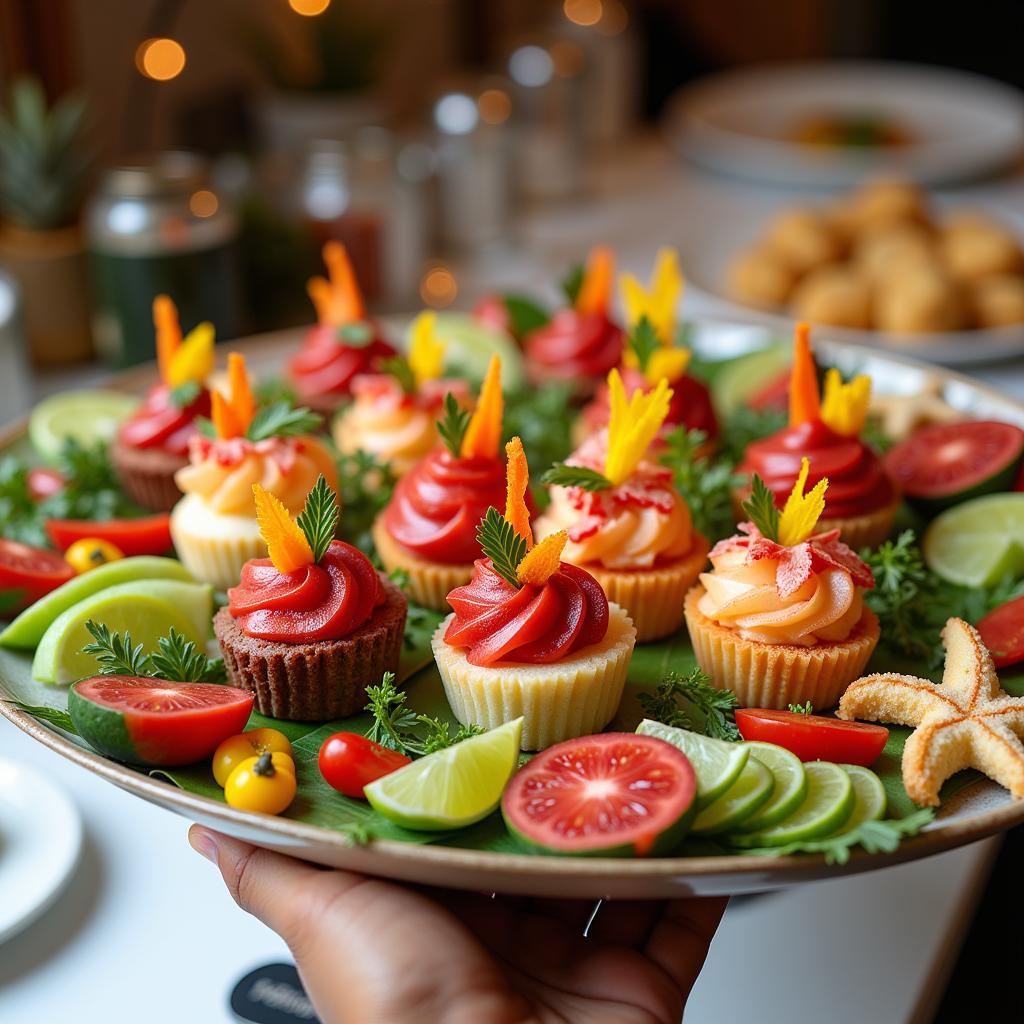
972,807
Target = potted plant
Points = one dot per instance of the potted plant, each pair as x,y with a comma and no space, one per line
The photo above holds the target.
43,173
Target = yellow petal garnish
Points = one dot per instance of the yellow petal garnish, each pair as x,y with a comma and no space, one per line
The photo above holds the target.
658,303
667,364
426,350
802,511
845,406
540,563
596,289
168,334
483,434
193,359
517,475
338,301
286,543
633,425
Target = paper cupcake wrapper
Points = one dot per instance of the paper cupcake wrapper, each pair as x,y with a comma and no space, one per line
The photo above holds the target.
147,477
217,560
573,697
654,597
777,675
429,582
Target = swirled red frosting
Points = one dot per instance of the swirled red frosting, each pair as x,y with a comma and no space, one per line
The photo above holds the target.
160,423
575,345
326,601
494,621
436,507
325,365
857,481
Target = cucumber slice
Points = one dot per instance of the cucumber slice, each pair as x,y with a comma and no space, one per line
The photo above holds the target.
790,786
749,792
826,808
869,800
89,417
743,377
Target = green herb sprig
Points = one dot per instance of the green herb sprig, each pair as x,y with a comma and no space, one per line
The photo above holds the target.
801,709
185,394
52,716
572,283
453,425
706,482
561,474
502,545
399,368
643,341
358,334
176,659
761,510
318,519
678,697
365,484
282,419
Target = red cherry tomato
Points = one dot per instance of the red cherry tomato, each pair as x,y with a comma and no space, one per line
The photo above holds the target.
1002,632
348,762
150,535
27,574
44,483
813,737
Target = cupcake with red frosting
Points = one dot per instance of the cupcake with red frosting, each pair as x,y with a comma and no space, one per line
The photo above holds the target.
531,636
428,529
310,627
626,523
580,343
781,618
653,352
343,344
862,498
394,414
152,445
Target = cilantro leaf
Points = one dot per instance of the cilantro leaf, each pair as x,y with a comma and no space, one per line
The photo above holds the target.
502,545
761,509
318,519
561,474
282,420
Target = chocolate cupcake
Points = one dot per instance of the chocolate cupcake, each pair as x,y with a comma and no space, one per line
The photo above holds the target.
310,627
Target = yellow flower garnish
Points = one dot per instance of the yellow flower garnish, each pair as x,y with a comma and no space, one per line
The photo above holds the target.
540,563
845,406
483,435
286,543
338,301
658,302
193,359
596,288
232,414
633,425
426,350
517,475
667,364
802,511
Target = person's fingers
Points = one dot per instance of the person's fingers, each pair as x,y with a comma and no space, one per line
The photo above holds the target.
625,923
680,939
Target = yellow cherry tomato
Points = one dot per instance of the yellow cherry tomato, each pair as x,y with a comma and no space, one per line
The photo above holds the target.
90,552
265,784
236,749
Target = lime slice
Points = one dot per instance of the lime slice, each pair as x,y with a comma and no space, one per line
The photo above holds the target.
87,416
453,787
978,542
790,786
146,608
716,763
826,808
470,345
28,628
869,800
742,377
738,802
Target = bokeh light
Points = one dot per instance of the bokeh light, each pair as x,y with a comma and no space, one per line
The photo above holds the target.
567,58
438,287
531,66
309,8
160,59
583,12
615,19
456,113
494,106
203,203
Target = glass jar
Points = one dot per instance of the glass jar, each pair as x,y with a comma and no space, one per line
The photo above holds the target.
157,227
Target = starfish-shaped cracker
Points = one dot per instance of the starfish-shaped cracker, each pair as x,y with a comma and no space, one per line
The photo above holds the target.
967,721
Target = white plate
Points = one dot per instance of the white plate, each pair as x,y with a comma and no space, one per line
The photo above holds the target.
961,125
40,843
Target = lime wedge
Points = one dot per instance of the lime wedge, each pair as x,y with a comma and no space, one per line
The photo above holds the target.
790,786
978,542
145,608
716,763
826,808
738,380
738,802
869,800
470,345
28,628
87,416
453,787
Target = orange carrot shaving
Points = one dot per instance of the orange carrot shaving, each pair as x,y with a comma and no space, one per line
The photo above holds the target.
168,333
540,563
286,543
242,401
804,404
596,290
225,421
338,300
517,473
483,434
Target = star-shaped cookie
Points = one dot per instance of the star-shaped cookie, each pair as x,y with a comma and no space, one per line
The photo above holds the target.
967,721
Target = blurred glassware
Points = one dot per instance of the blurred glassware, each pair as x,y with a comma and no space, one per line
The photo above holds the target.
157,226
15,388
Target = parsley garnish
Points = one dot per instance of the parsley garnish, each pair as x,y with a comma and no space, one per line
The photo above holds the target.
453,424
176,659
744,425
318,519
185,394
542,417
801,709
706,483
573,282
501,544
364,485
282,420
561,474
761,510
678,696
400,369
643,341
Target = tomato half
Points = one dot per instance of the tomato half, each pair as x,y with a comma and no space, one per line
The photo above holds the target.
348,762
44,483
1002,632
27,574
814,737
150,535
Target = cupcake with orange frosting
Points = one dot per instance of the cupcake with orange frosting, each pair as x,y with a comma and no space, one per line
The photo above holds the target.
652,352
152,445
428,529
214,526
394,414
580,343
626,523
862,498
780,619
531,636
343,344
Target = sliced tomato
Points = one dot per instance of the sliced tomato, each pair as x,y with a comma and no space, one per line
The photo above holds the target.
814,737
1002,632
150,535
616,794
349,762
27,574
44,483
